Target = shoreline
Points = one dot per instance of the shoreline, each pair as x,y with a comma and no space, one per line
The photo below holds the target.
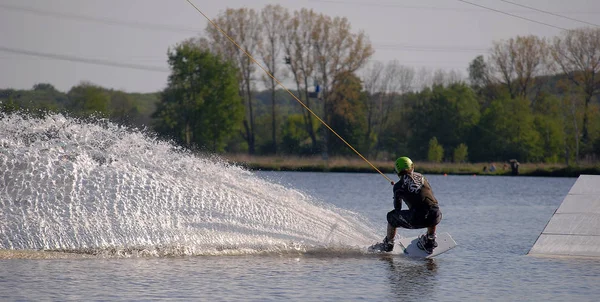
351,165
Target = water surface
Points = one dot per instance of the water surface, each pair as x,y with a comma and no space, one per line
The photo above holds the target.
90,211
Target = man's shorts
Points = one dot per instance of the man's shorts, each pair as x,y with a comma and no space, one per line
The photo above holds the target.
414,219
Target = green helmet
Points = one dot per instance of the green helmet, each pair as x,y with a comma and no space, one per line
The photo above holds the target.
403,163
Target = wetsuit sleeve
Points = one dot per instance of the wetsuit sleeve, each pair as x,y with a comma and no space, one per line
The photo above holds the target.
397,198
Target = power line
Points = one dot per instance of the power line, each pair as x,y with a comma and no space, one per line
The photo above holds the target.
83,60
139,25
550,13
373,3
431,48
513,15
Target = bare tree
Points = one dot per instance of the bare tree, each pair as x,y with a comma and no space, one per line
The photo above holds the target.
423,78
405,76
244,27
338,51
426,77
300,57
571,113
438,78
517,63
577,55
453,77
273,17
385,86
372,78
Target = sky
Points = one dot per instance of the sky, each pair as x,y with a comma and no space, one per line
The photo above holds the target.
123,44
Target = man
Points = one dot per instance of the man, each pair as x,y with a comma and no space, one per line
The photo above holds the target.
423,210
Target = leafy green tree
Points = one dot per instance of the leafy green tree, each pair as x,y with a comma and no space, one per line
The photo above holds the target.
346,113
122,107
548,121
8,105
461,154
244,26
294,138
201,106
47,98
509,132
435,153
88,99
446,113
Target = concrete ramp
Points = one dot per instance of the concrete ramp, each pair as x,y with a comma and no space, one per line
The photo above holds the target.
574,229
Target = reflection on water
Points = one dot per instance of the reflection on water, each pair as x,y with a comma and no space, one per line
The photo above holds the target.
411,279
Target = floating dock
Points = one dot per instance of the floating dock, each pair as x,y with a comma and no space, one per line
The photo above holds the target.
574,229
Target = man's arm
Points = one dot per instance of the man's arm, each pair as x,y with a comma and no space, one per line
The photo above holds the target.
397,199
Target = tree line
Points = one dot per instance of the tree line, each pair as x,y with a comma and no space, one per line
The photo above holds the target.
83,100
530,98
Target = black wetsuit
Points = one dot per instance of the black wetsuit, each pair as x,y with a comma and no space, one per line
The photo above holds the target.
423,210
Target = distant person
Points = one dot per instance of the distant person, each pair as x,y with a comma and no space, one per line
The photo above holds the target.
492,168
514,165
423,210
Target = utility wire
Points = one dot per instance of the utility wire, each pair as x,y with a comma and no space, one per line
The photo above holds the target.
83,60
513,15
431,48
138,25
149,26
286,89
550,13
399,5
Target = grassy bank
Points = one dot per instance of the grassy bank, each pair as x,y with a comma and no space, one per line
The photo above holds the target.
356,164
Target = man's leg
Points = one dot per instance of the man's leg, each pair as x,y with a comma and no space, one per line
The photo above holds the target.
395,217
391,232
430,230
428,241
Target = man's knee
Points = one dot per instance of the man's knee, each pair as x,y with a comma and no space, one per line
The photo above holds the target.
397,218
390,218
434,217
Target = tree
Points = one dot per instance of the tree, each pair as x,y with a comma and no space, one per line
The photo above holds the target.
577,54
481,81
346,112
461,154
244,27
435,151
8,106
478,73
517,63
384,85
338,51
273,17
88,99
201,105
122,107
446,78
44,87
294,138
509,132
300,58
448,113
548,121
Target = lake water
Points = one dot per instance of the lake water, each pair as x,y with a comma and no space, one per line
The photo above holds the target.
91,212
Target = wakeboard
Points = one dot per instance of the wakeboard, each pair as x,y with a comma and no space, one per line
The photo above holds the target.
410,246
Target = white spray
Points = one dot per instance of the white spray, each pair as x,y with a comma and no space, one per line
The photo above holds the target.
96,187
